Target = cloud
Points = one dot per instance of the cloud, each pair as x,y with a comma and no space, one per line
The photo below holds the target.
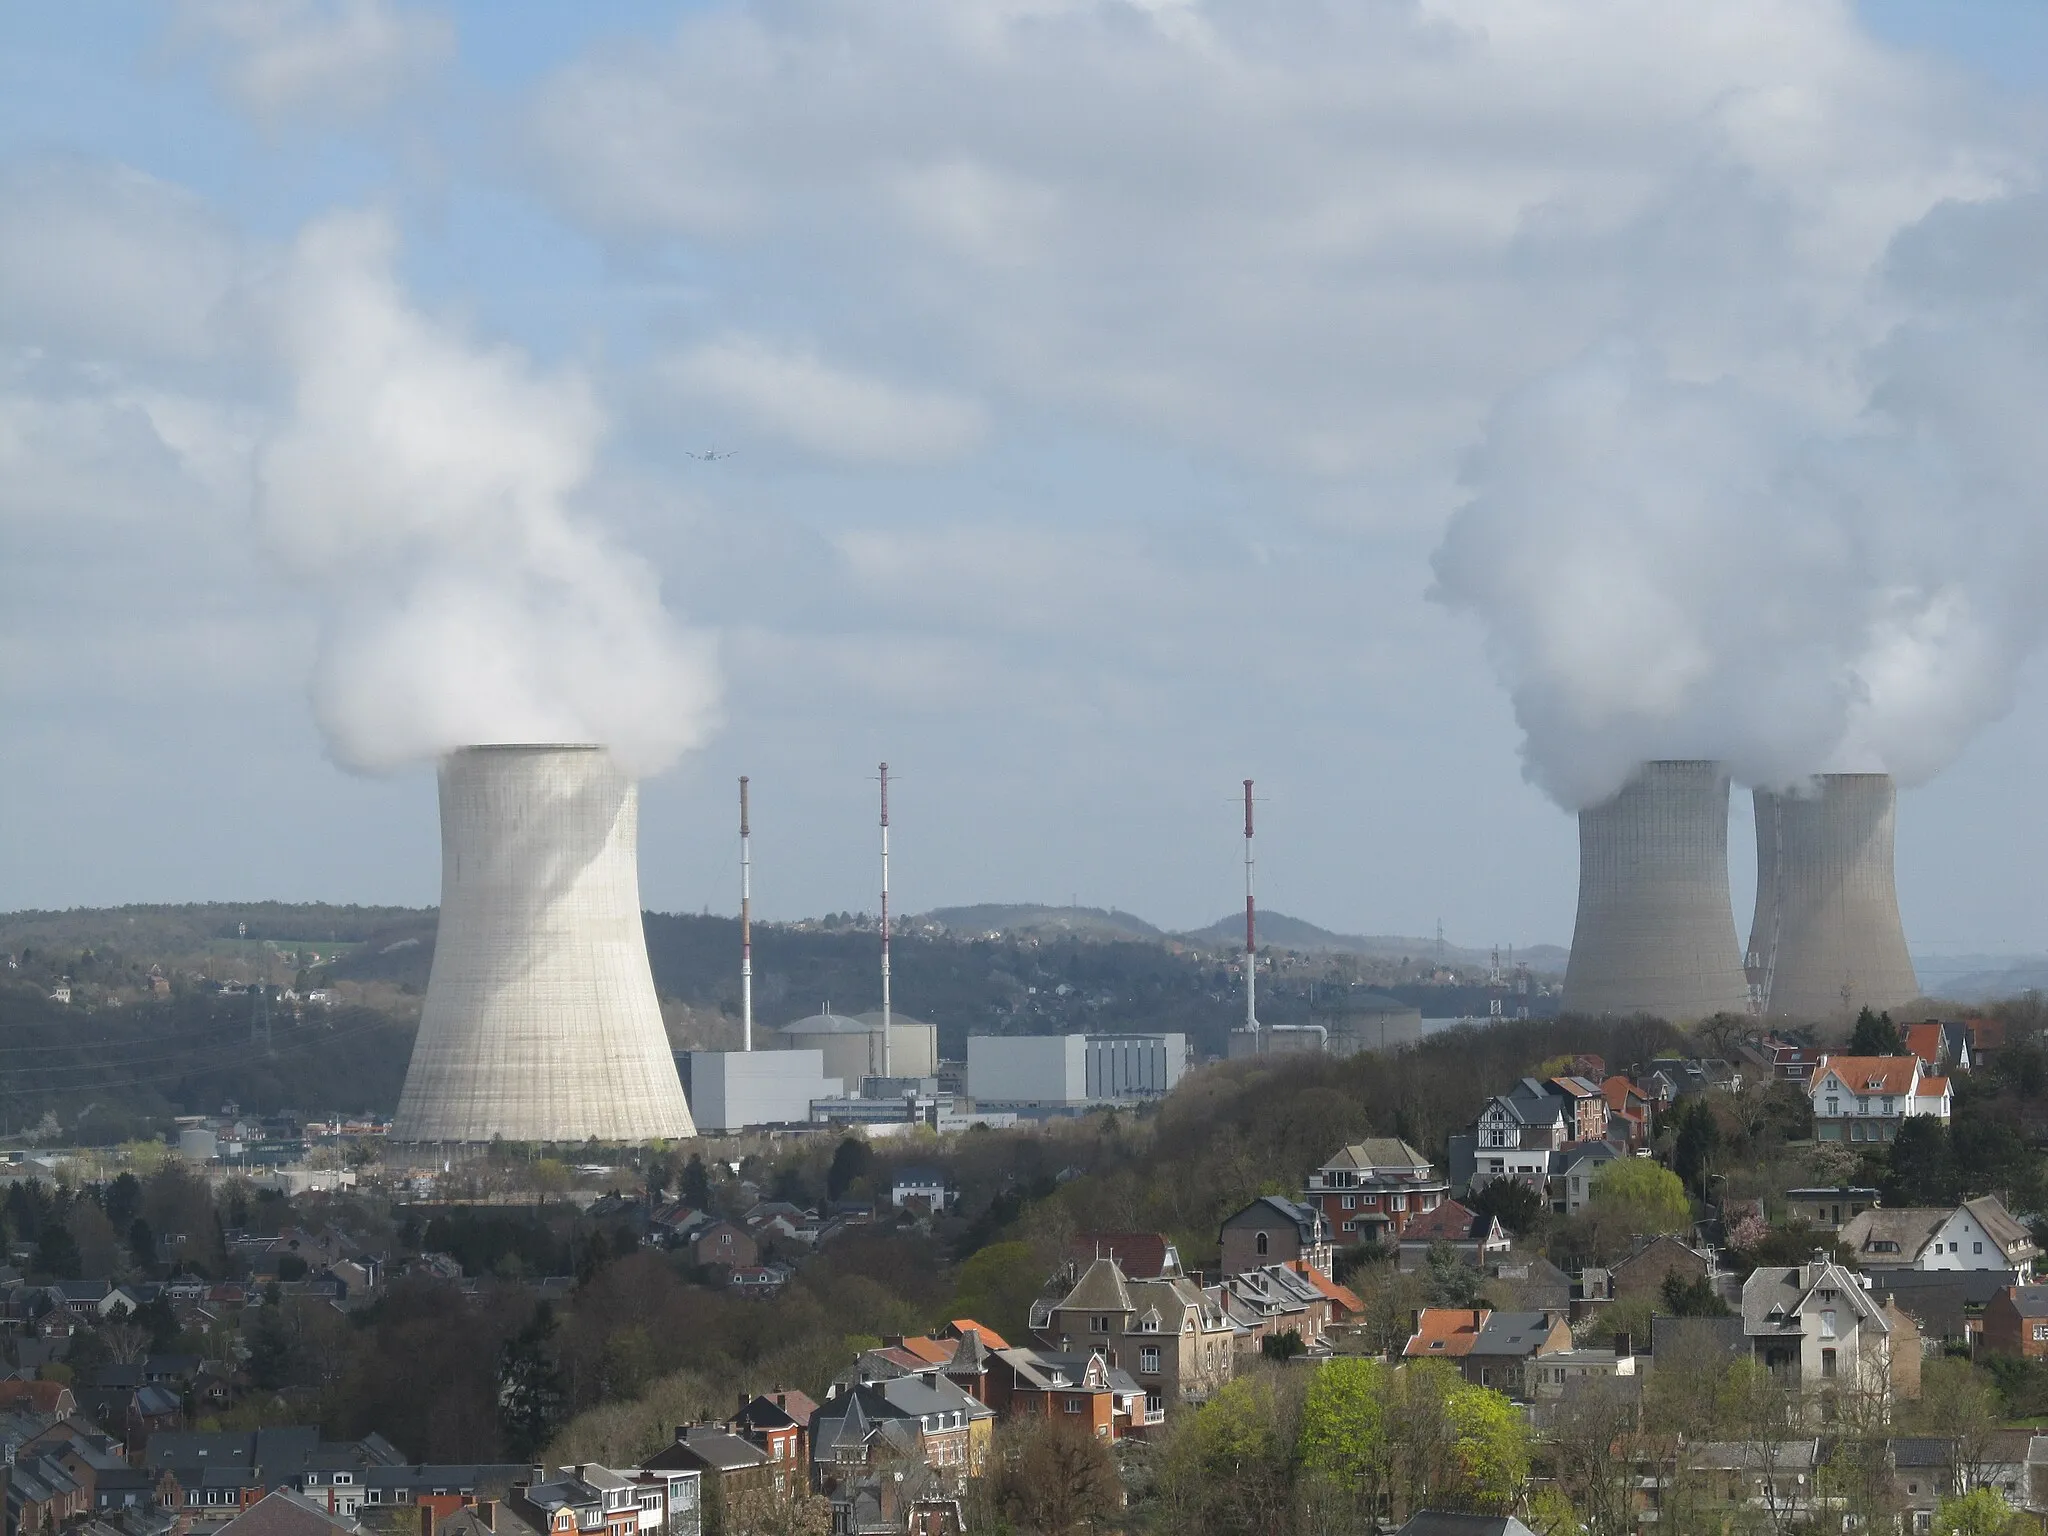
1314,236
100,260
1669,568
797,396
422,484
324,59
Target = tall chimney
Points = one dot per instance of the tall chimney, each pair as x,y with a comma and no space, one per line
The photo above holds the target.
540,1021
1827,940
746,926
1656,926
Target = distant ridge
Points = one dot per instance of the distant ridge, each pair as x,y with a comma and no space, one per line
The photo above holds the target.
1286,932
1275,928
1028,917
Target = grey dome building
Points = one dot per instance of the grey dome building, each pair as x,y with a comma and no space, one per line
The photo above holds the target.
1826,940
1656,925
540,1021
853,1046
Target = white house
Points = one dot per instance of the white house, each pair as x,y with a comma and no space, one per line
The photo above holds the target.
925,1186
1978,1234
1867,1098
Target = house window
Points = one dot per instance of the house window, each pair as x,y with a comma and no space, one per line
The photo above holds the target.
1888,1106
1073,1405
1351,1202
1834,1105
1827,1325
1098,1324
2041,1333
1827,1364
1154,1404
1976,1247
1350,1226
1862,1105
1263,1244
1397,1202
1148,1359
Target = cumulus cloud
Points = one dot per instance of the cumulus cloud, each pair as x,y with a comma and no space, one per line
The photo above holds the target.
326,59
423,485
799,397
1322,236
1669,568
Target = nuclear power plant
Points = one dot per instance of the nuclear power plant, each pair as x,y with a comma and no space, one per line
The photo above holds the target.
540,1021
1656,925
1826,940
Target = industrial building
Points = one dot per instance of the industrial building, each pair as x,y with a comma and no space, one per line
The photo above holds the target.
1071,1071
852,1047
1827,940
731,1090
1656,925
540,1021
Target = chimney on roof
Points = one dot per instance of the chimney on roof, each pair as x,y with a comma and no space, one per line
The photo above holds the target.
487,1512
426,1519
1624,1346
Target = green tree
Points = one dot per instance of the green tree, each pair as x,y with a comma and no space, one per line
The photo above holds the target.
997,1286
1283,1346
530,1392
1343,1439
695,1190
1551,1514
1875,1035
1697,1140
1649,1197
1980,1512
1491,1443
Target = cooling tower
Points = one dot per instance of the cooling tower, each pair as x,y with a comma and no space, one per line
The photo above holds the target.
1827,939
540,1022
1656,928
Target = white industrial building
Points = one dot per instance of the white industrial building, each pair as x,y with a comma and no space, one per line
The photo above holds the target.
853,1046
1065,1071
731,1090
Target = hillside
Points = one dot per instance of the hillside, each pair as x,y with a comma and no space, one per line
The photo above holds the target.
1284,932
1010,919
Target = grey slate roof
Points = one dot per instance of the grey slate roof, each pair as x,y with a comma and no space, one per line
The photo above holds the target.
1512,1335
1443,1522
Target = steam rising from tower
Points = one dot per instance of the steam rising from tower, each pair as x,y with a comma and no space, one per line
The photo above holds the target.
746,926
540,1021
1827,939
1656,927
885,921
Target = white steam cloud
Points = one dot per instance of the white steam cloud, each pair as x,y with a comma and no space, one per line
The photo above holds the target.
1705,568
422,486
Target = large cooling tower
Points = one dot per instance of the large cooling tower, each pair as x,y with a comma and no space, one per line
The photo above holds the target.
1656,928
1827,939
540,1022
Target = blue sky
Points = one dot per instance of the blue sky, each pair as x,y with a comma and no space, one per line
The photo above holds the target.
1102,381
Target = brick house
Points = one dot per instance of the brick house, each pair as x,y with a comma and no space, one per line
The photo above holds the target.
1654,1261
1473,1237
727,1244
1370,1190
1500,1353
2016,1322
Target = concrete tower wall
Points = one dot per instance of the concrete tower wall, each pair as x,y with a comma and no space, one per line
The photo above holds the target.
540,1021
1826,939
1656,926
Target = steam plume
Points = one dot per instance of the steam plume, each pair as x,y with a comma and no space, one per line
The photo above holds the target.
422,488
1674,568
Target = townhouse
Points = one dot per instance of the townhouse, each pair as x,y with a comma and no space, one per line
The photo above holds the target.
1863,1099
1369,1191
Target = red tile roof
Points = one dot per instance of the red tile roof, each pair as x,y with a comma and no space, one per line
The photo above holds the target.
1870,1074
1140,1255
989,1337
1924,1041
1446,1332
1339,1295
1448,1223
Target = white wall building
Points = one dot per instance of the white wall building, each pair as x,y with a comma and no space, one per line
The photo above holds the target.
730,1090
1063,1071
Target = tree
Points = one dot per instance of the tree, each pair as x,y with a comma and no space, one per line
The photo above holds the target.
1282,1346
998,1285
1692,1298
1491,1444
1922,1168
1551,1514
1980,1512
790,1509
1876,1035
1054,1477
1448,1279
142,1245
56,1252
1342,1443
1697,1139
1516,1205
1650,1198
530,1393
695,1191
852,1159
